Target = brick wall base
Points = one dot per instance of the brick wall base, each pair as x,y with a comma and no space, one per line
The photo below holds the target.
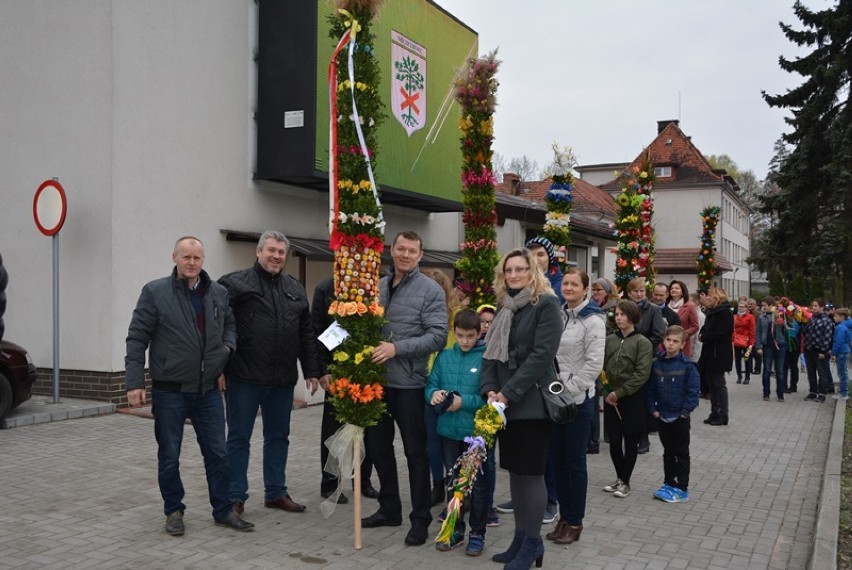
84,384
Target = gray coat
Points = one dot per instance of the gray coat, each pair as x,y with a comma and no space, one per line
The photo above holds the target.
164,322
416,316
533,342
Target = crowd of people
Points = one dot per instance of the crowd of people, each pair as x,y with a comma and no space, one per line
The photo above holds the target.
219,351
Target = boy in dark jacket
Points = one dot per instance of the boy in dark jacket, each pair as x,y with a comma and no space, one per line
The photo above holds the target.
672,394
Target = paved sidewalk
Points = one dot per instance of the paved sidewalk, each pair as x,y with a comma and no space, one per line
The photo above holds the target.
83,494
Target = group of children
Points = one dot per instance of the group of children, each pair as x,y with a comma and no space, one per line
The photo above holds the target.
671,393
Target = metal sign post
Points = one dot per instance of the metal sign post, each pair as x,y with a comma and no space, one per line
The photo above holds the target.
49,209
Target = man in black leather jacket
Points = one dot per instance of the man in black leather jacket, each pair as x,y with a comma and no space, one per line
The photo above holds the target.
273,331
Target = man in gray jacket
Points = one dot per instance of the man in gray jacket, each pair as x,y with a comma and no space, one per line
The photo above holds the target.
417,325
186,325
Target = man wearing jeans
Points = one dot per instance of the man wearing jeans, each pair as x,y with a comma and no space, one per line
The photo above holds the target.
273,331
188,329
819,335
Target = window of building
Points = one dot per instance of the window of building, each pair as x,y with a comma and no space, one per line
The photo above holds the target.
663,171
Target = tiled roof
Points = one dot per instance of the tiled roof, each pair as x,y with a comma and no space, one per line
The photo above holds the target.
587,197
673,148
522,208
682,260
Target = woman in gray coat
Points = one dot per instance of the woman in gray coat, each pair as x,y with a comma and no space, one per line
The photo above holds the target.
521,346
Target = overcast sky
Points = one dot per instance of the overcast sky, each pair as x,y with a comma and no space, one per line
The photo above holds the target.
599,74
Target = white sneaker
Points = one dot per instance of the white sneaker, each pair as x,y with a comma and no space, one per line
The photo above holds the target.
622,491
839,397
613,486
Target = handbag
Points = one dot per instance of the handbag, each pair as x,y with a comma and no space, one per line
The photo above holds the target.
559,405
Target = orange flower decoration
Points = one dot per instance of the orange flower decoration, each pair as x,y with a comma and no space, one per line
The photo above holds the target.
361,309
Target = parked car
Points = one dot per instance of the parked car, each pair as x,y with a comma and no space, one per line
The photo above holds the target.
17,376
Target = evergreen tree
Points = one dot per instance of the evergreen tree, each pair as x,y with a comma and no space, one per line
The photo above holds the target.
810,210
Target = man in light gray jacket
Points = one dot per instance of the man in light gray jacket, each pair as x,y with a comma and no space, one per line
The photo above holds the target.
417,325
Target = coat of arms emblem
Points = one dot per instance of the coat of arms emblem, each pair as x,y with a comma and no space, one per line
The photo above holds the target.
408,84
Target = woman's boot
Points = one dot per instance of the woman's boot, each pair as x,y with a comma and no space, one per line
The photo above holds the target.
572,534
513,550
532,550
561,529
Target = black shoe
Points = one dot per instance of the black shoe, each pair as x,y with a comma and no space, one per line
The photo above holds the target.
746,381
232,520
719,421
438,493
378,519
341,498
174,524
711,418
368,491
593,450
811,396
644,449
417,535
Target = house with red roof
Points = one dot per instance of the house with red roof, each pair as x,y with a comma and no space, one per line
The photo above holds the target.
520,216
685,184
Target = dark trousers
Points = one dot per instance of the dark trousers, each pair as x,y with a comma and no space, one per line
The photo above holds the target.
819,373
329,426
434,448
675,439
572,478
595,432
739,354
478,502
405,407
792,367
774,359
623,450
207,412
718,393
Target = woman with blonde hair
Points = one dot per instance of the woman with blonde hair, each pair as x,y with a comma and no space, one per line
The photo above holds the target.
519,356
717,352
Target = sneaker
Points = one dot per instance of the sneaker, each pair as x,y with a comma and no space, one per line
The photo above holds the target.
840,397
666,494
811,396
611,487
549,513
491,519
622,491
475,545
679,496
821,398
505,508
456,540
766,398
780,398
662,491
443,515
174,524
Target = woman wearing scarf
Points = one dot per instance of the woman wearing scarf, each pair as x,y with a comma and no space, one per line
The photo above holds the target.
687,312
519,354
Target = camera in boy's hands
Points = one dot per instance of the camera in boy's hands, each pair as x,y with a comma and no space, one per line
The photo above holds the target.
442,406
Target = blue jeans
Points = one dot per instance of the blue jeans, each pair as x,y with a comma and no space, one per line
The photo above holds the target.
478,501
569,443
842,363
774,357
275,403
170,410
433,445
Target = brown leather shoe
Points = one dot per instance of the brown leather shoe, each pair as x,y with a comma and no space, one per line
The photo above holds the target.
571,535
561,528
239,507
285,503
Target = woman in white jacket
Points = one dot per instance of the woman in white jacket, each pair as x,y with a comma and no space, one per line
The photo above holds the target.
580,358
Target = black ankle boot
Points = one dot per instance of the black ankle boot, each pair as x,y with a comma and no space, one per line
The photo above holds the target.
438,493
513,549
711,418
720,420
532,550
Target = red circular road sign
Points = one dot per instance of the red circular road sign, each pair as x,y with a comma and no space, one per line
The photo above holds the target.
49,207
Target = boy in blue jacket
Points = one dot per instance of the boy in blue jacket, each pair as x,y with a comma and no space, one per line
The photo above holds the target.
453,391
840,350
672,394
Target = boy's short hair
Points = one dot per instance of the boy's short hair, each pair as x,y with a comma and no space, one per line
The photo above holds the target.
676,330
467,319
768,300
843,311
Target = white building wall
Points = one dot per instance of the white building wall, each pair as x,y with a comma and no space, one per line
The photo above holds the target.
676,215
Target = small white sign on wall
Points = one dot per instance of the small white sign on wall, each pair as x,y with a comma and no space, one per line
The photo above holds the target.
294,119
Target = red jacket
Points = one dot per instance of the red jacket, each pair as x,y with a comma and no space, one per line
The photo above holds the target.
743,330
